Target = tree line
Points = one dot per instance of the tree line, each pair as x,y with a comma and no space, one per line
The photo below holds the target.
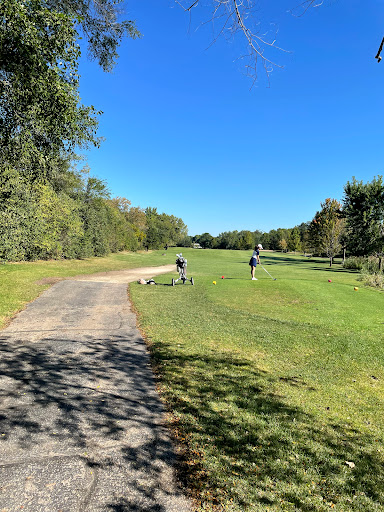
354,226
281,239
74,216
49,209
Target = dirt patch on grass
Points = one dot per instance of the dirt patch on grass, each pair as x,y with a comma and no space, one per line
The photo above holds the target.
114,276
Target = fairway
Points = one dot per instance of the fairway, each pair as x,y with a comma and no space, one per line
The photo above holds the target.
275,387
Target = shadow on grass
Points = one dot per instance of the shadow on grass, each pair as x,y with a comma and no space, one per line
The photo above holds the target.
255,448
310,264
335,269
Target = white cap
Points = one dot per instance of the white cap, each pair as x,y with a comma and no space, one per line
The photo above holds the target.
260,246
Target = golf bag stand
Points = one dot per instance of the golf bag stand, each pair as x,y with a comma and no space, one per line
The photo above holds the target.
181,265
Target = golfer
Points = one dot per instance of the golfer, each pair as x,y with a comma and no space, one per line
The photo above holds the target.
255,260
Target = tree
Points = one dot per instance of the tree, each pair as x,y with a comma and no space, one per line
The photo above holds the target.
100,22
226,240
240,19
163,229
294,243
246,240
205,240
41,117
283,245
304,236
327,229
363,207
237,17
137,218
265,240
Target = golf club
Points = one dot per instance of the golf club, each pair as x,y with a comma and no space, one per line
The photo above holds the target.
267,272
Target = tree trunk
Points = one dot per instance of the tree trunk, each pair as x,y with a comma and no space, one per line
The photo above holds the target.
330,261
343,255
380,263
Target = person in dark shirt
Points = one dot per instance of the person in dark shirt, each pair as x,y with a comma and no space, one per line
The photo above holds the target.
255,260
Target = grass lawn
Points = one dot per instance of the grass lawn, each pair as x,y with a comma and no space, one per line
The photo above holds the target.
18,281
275,387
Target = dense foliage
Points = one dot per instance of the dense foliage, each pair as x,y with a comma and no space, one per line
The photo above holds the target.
364,211
41,117
327,229
77,220
48,209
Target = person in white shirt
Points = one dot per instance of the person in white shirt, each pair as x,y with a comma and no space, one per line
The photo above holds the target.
255,260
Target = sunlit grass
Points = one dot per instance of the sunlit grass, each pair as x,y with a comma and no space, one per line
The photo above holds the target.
18,281
275,387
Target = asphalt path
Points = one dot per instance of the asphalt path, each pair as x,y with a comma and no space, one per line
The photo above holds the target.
81,424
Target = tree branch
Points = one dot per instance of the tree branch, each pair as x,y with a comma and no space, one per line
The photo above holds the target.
378,57
236,16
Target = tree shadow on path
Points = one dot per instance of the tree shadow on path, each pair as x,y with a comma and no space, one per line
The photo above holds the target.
89,399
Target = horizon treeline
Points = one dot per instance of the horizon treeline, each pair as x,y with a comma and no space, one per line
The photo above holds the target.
281,239
355,226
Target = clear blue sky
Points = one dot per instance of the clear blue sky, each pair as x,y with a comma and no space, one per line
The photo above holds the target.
184,132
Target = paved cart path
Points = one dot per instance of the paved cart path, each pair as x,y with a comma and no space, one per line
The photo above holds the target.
81,424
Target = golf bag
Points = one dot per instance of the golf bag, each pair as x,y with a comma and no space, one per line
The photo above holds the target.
181,266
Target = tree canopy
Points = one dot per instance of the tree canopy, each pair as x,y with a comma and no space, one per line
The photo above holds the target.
41,117
364,210
327,228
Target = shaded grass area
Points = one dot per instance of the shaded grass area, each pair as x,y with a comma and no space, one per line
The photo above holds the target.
276,387
18,281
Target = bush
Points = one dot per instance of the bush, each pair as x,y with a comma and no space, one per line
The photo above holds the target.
368,264
354,262
375,279
371,265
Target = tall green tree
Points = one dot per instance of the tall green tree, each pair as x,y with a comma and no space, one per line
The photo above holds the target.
41,116
163,230
363,208
205,240
294,242
327,229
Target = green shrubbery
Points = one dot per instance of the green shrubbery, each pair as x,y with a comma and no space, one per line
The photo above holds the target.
354,262
375,279
369,267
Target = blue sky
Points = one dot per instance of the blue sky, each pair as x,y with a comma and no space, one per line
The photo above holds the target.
185,132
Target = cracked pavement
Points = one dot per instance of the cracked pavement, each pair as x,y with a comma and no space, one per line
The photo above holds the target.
81,424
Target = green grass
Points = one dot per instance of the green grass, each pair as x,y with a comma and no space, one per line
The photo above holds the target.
275,387
18,281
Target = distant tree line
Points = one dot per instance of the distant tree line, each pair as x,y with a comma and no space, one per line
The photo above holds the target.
355,226
281,239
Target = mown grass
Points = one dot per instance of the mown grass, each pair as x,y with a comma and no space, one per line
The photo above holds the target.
275,387
18,281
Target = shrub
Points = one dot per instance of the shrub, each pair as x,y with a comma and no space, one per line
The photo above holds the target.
354,262
375,279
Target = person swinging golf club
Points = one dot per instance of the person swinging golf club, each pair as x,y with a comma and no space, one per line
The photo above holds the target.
255,260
